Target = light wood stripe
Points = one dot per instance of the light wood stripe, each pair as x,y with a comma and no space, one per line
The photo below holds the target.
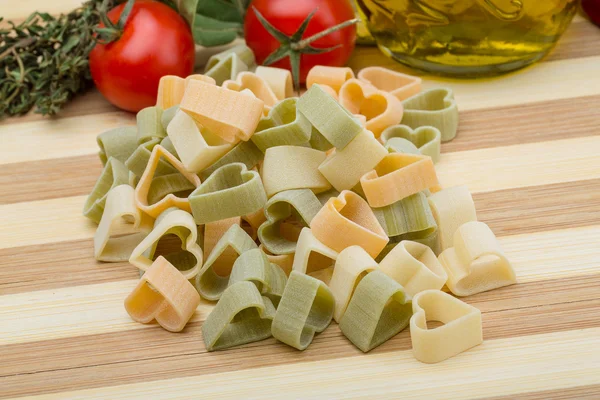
64,137
22,8
520,166
590,392
511,167
514,365
567,78
94,309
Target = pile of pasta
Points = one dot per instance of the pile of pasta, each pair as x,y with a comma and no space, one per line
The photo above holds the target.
293,211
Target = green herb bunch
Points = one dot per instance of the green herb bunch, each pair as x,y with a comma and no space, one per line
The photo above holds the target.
44,60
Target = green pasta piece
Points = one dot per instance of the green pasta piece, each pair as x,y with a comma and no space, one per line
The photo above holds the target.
113,175
318,141
118,143
427,139
138,161
329,117
399,145
306,308
149,124
211,285
165,184
379,309
229,63
168,115
411,217
433,107
241,316
168,145
254,266
230,191
244,152
283,126
300,202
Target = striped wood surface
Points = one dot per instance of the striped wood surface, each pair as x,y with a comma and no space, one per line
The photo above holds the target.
528,148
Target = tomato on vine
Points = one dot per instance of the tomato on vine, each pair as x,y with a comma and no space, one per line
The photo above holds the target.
139,42
299,34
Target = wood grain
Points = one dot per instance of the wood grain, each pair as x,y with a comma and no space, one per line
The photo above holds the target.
395,374
527,147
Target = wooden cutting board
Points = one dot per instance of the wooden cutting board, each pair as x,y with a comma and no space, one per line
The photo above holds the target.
529,150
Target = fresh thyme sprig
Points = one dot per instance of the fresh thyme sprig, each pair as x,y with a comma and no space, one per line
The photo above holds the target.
44,60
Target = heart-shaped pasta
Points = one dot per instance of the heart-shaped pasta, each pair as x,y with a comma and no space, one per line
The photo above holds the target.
164,294
113,175
380,108
306,246
111,245
347,220
142,190
254,266
177,222
301,202
230,191
138,161
398,176
414,266
283,126
476,263
254,83
149,125
119,143
433,107
244,152
229,63
293,167
427,139
229,114
351,266
306,308
400,85
211,282
333,77
328,116
241,316
379,309
278,79
462,327
197,147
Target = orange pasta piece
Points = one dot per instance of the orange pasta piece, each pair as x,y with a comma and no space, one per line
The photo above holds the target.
333,77
397,176
170,200
347,220
163,294
229,114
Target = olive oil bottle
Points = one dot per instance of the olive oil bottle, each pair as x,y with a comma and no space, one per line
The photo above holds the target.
466,37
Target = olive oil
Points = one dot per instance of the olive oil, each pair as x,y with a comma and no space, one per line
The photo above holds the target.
466,37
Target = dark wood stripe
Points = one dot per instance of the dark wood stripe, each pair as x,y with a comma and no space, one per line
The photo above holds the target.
154,354
56,265
526,123
49,179
507,212
590,392
580,40
540,208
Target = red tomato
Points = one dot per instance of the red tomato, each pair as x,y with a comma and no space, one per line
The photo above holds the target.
287,15
156,41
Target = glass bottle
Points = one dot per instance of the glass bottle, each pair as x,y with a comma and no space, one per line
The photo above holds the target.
466,37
